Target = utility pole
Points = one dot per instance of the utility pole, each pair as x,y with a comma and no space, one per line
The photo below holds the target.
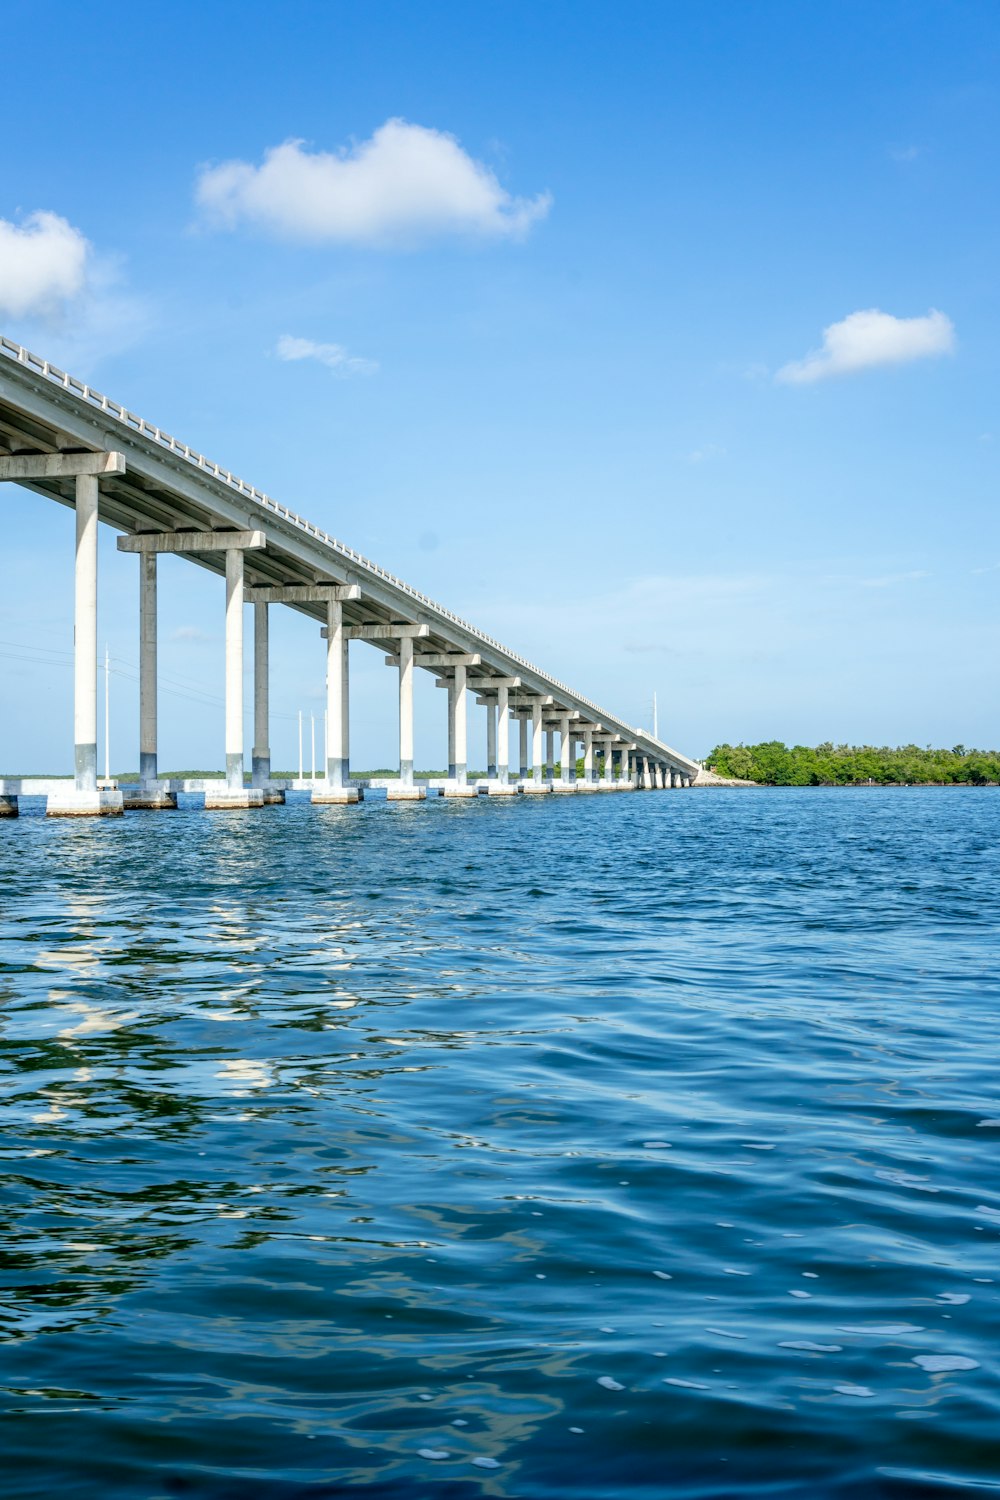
656,728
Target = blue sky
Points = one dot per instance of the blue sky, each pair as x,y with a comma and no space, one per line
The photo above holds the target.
557,328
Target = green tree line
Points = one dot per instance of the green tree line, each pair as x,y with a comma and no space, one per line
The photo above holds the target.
775,764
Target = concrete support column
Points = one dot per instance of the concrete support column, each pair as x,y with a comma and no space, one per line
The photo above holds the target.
451,729
549,756
406,711
537,751
336,786
647,775
234,669
461,728
567,752
85,636
404,790
491,739
147,668
336,651
260,758
522,739
658,777
588,754
503,727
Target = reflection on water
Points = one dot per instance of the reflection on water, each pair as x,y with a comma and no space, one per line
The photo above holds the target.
644,1145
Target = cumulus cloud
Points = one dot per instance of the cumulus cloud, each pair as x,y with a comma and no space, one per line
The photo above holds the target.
43,265
404,184
334,356
866,339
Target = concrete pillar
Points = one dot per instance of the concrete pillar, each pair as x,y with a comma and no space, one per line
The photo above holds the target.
461,728
503,727
588,754
567,753
83,798
147,668
260,756
491,739
234,669
85,636
406,711
404,790
537,752
336,786
647,774
658,777
452,700
522,738
234,794
549,755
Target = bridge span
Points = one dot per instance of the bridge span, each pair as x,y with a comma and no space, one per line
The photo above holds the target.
71,444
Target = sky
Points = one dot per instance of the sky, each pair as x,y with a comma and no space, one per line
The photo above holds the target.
658,340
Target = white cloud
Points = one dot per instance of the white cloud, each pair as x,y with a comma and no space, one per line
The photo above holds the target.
334,356
43,265
407,182
866,339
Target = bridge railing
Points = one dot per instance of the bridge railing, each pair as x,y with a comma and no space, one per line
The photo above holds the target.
146,429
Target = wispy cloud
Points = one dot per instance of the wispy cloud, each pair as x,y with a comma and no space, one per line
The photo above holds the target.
890,580
904,153
334,356
702,455
864,340
190,634
405,184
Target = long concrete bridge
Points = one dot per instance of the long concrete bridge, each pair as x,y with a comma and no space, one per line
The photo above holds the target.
69,443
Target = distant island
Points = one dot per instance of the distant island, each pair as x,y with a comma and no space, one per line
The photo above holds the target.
775,764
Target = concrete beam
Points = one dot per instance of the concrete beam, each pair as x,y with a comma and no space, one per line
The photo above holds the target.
302,593
59,465
192,541
435,662
384,632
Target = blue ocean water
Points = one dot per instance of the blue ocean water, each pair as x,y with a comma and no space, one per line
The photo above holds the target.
621,1146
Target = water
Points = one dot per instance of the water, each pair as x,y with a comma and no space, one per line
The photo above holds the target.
640,1146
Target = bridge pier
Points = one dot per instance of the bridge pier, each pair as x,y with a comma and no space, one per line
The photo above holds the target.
567,759
534,783
234,794
336,788
8,806
458,736
405,790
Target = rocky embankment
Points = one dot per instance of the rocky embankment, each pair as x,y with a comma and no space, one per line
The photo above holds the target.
709,778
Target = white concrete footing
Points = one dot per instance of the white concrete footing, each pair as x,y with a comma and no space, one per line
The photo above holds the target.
534,788
148,798
273,796
605,786
460,792
225,798
502,789
337,795
72,803
405,793
564,786
587,786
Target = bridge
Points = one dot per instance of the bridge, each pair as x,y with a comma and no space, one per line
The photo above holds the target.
67,442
